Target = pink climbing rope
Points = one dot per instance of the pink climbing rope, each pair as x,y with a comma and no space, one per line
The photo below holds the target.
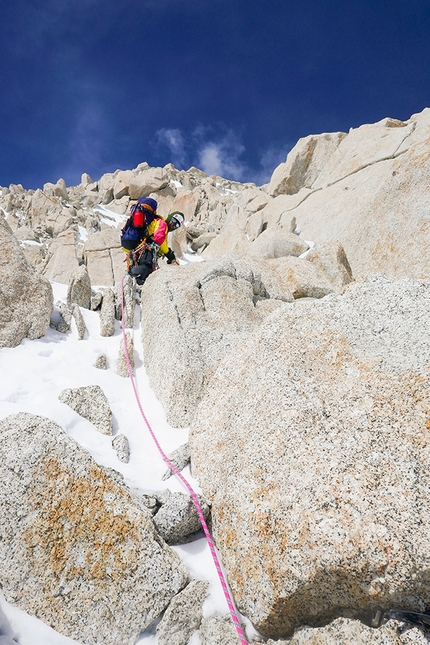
188,486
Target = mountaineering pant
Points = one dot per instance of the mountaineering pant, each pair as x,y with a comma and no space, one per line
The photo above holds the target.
144,267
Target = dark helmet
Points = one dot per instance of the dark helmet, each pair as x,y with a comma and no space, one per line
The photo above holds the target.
148,202
175,220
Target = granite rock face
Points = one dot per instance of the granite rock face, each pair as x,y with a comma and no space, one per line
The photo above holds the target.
104,258
351,632
77,550
304,163
26,299
277,242
367,188
207,309
312,447
184,614
330,258
79,289
91,403
369,192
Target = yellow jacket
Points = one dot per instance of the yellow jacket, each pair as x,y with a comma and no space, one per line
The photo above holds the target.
157,230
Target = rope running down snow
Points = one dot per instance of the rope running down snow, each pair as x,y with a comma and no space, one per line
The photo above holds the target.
188,486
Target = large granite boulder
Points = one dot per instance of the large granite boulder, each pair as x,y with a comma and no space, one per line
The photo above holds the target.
104,257
352,632
208,308
330,258
62,259
202,311
312,446
122,182
56,190
291,275
26,299
185,202
304,163
77,549
147,181
277,242
232,239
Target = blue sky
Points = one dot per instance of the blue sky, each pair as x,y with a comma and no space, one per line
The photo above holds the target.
228,86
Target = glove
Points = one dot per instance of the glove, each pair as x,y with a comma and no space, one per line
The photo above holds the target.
170,257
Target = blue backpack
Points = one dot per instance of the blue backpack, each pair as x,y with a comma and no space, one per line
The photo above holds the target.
135,228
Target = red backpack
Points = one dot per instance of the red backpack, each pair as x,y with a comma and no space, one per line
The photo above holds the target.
135,228
137,216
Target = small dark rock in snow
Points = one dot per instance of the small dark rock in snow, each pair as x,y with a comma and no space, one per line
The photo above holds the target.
184,614
177,521
101,362
218,630
91,403
122,448
179,458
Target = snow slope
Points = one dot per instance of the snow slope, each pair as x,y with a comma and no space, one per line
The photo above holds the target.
32,376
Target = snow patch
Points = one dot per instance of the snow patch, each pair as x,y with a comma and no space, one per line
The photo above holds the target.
311,246
109,217
29,243
21,392
83,235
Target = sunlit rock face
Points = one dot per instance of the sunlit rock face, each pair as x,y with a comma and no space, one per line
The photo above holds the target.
312,446
26,299
78,549
366,189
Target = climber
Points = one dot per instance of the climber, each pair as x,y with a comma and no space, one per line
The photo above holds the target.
144,238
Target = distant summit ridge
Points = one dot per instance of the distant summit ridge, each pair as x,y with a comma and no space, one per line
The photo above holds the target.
367,189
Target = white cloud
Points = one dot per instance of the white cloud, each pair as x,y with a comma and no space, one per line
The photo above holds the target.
88,139
221,156
174,140
218,151
214,153
209,159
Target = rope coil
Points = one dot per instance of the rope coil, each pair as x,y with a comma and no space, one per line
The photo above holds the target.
188,486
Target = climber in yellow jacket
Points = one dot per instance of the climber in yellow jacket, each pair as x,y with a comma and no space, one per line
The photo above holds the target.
144,238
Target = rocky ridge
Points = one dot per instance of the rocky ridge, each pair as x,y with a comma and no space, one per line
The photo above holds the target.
367,189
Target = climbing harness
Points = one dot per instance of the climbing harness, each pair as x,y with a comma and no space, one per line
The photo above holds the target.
188,486
132,257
